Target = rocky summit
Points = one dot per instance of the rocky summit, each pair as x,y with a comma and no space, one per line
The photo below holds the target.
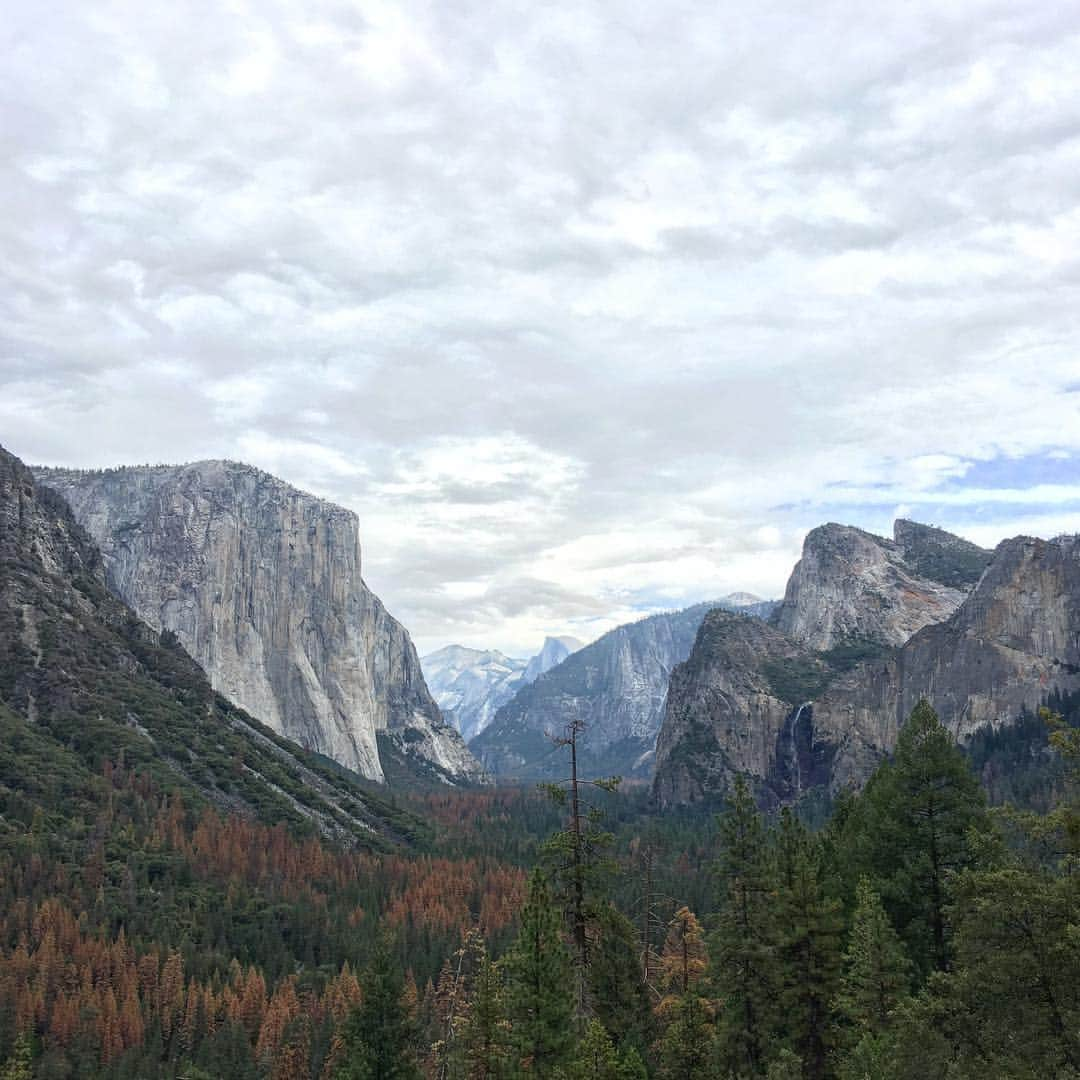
794,717
261,584
852,586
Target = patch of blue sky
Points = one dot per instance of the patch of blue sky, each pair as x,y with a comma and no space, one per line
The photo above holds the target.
1018,473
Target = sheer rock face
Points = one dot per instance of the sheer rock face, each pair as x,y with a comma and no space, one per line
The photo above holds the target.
852,586
616,686
725,715
261,584
1013,640
731,708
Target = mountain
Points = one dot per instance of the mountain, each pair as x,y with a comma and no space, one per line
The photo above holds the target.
796,719
470,685
84,682
748,603
851,586
261,584
617,685
732,707
554,651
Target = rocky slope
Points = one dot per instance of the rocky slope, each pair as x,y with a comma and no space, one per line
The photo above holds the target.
83,682
470,685
261,584
853,587
617,685
1012,641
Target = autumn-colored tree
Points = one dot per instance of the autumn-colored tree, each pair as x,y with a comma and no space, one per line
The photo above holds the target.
683,959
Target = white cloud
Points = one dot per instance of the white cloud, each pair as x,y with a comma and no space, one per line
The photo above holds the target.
580,313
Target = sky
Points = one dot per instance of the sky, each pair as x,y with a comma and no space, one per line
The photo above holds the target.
587,310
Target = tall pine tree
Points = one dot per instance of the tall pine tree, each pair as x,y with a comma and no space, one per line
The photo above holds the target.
377,1037
911,829
540,986
743,946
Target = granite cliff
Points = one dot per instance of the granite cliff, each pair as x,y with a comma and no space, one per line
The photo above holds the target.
795,719
852,586
617,685
261,584
85,685
470,685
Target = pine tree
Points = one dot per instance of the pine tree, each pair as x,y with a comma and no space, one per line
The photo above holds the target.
597,1058
877,973
578,858
620,1000
744,942
540,986
683,960
809,929
377,1037
484,1036
687,1048
19,1066
915,818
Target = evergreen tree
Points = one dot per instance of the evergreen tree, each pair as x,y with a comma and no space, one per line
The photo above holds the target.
597,1058
877,972
19,1066
687,1048
540,986
579,859
912,830
809,936
683,960
743,946
620,999
484,1036
377,1036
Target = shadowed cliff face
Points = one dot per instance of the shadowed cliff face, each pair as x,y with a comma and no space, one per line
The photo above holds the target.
616,686
261,584
794,719
850,585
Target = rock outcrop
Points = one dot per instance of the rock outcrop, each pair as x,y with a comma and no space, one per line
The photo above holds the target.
470,684
1015,639
261,584
853,587
617,686
83,682
794,719
731,709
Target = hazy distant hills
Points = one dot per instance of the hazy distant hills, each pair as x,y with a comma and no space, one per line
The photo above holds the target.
470,685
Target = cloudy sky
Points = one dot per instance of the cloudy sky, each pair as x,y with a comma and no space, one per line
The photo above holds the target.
587,309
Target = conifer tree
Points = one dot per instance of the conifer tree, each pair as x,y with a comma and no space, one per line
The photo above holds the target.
620,1000
913,831
809,933
684,960
578,858
877,972
597,1058
687,1049
377,1037
540,986
484,1036
744,942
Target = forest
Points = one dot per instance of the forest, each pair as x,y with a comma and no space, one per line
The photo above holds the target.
915,932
